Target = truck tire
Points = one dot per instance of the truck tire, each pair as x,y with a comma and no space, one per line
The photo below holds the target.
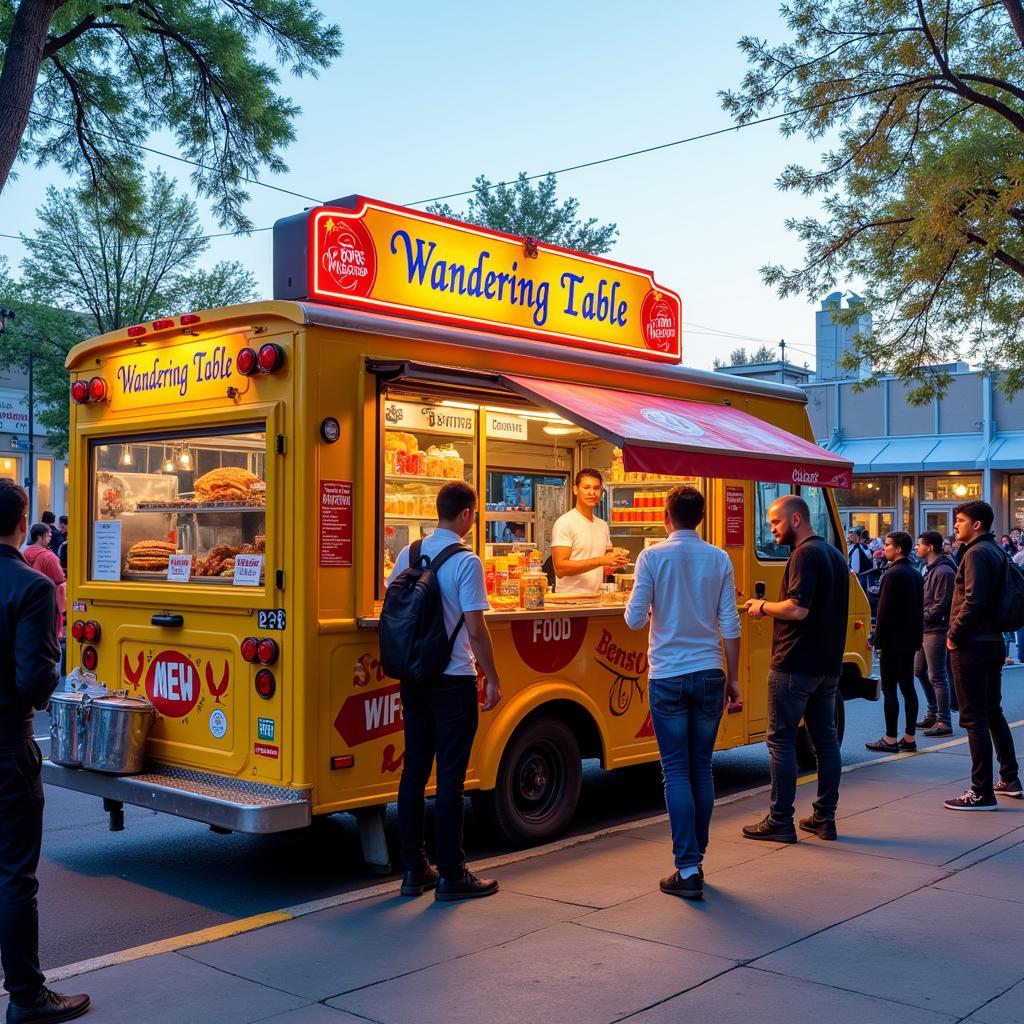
538,785
805,757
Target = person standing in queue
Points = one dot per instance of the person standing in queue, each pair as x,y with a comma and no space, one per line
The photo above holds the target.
684,587
975,644
28,675
930,661
440,716
899,629
808,639
581,545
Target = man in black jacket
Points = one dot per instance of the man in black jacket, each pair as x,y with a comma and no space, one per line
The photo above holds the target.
898,629
976,647
930,661
28,675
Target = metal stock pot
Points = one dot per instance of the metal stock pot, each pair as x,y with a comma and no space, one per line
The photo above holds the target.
116,728
67,729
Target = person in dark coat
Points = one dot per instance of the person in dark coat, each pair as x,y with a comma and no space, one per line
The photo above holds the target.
930,662
899,628
28,675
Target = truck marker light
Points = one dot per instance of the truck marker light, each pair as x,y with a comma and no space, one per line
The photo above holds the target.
137,331
159,325
250,649
267,651
343,761
90,658
78,630
80,392
97,389
265,683
247,362
271,358
91,632
190,318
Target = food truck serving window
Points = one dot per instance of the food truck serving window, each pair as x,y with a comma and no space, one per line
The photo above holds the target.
185,507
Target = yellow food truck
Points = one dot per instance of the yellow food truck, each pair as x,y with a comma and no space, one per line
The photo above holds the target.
243,479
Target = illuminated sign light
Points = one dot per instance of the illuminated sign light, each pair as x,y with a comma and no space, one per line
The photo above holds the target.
370,255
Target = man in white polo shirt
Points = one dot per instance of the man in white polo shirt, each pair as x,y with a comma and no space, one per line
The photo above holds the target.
684,588
581,546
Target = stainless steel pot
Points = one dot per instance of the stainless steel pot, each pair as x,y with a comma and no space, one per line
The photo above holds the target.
116,728
67,729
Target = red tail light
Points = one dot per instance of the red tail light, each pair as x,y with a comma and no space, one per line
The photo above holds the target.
97,389
190,318
78,630
247,362
265,683
250,649
91,632
137,331
80,391
267,651
90,658
271,358
159,325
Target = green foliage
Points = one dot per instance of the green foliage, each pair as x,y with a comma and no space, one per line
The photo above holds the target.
82,277
922,185
112,74
739,357
523,209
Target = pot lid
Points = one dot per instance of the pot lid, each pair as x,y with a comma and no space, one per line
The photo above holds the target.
121,703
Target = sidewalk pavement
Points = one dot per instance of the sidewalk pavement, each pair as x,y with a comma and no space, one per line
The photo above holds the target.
914,914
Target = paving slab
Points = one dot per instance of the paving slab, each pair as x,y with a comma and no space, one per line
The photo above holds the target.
357,944
746,995
767,903
998,877
170,989
314,1013
938,768
562,975
1005,1009
935,949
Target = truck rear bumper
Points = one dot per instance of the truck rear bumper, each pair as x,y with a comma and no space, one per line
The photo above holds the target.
233,804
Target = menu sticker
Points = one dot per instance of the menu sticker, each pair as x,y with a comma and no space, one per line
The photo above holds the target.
248,570
179,568
734,516
336,523
106,549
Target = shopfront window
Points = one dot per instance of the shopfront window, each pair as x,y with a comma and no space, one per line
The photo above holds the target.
44,484
199,498
907,494
9,469
1017,502
869,492
950,488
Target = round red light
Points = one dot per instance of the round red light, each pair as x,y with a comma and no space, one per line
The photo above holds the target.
265,682
78,630
90,658
250,648
97,389
91,632
247,362
80,391
271,358
267,651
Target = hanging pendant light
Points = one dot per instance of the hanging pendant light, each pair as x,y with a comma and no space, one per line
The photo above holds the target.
168,466
126,456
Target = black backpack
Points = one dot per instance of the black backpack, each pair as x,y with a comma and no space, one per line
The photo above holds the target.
414,644
1010,611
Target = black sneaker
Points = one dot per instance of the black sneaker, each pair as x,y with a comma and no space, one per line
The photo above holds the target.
824,828
927,722
972,801
465,887
908,746
50,1007
883,747
1009,789
939,729
770,831
415,883
691,888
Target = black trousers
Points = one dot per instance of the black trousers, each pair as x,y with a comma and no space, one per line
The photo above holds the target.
978,672
897,669
21,836
440,720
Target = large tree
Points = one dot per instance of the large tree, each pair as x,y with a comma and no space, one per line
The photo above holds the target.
524,209
922,184
84,83
82,277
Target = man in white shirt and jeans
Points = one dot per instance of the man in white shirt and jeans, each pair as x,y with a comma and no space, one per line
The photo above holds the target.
685,588
581,546
440,717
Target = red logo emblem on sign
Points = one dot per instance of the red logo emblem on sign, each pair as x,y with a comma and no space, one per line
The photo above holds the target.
548,645
347,255
172,684
368,716
659,323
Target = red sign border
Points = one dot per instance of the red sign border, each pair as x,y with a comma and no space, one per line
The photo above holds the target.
418,313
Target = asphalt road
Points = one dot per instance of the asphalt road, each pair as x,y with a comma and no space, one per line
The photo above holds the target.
101,891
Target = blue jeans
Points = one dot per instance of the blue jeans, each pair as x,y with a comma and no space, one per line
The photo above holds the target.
930,669
812,698
686,711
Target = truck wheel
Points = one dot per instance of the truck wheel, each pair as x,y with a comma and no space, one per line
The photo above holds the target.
805,759
538,786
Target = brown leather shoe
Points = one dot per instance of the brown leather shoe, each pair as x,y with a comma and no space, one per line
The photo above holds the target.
49,1007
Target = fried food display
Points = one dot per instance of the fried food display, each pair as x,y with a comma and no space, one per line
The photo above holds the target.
228,484
213,563
150,555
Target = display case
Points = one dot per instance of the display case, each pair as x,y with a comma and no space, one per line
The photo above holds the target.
635,510
199,499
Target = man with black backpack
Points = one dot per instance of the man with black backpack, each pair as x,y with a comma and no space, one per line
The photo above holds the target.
985,596
432,628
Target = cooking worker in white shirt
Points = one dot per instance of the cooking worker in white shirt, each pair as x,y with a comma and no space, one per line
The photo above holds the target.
581,546
685,588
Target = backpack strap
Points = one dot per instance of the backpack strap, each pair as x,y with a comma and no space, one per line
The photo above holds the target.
414,552
439,559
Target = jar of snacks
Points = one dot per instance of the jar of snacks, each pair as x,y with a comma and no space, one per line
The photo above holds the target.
535,586
434,466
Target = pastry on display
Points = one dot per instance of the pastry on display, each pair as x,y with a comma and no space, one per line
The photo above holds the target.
213,563
150,555
229,484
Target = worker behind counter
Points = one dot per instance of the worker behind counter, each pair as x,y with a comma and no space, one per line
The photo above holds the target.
581,546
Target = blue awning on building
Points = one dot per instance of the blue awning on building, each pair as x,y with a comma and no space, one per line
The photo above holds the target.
860,452
903,455
964,452
1007,452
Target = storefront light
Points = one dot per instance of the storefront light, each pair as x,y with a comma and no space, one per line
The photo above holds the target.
126,456
185,457
559,431
168,466
960,490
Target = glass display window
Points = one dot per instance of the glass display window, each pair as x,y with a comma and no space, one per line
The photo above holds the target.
869,492
199,498
954,488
